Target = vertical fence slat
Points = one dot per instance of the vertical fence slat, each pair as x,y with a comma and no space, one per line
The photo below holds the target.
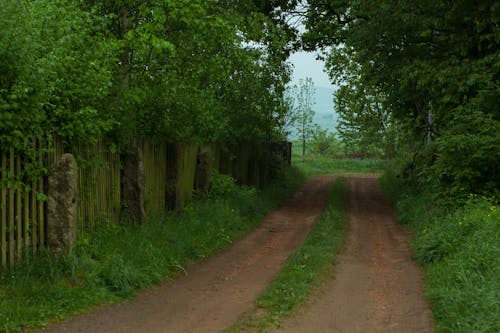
34,217
41,211
91,197
11,208
19,220
99,183
26,219
117,188
3,206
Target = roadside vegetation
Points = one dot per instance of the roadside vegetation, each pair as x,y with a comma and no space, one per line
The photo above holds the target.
456,241
304,270
111,263
332,160
418,82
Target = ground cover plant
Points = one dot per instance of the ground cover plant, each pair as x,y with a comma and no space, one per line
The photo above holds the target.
113,262
304,270
311,165
456,242
315,164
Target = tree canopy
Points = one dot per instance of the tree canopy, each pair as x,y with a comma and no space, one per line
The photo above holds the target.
169,69
419,77
431,67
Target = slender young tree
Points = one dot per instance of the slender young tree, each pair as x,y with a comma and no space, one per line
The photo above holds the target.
304,104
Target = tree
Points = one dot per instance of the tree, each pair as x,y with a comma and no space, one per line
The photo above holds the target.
166,69
187,70
304,111
420,57
56,73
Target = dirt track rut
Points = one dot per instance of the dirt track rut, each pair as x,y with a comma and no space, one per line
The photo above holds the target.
215,293
376,287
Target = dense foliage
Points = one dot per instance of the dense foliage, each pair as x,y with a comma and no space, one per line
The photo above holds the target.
55,72
419,76
419,81
178,70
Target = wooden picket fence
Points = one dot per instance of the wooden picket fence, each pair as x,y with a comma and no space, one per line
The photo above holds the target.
99,199
23,203
155,171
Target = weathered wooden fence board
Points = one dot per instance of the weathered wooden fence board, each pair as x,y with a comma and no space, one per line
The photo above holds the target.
155,171
99,185
172,172
3,213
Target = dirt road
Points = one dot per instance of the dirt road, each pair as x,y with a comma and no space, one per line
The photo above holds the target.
376,286
215,293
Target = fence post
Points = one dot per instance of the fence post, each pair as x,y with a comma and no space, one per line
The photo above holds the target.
204,168
63,204
134,183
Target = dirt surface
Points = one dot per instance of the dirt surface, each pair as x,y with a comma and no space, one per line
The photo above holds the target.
376,286
213,294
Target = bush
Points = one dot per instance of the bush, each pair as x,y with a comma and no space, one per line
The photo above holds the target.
325,144
222,186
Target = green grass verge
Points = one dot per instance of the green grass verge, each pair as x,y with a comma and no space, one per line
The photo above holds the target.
303,272
458,246
314,164
112,263
311,165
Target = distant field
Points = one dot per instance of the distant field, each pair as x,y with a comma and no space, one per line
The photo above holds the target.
311,165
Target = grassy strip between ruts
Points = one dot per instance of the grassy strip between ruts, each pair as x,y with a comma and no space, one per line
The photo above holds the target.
304,271
112,263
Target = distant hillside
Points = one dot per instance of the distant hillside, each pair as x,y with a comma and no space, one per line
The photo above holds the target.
324,116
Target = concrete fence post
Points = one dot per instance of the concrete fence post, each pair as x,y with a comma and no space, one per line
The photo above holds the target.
205,167
134,182
62,205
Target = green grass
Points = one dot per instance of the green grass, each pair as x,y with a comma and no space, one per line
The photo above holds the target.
458,245
303,272
312,165
112,263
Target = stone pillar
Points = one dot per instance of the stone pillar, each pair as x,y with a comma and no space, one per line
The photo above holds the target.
62,205
204,169
134,182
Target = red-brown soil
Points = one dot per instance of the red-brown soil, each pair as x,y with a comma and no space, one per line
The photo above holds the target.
213,294
375,287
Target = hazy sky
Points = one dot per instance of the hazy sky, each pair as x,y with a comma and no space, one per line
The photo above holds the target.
306,65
